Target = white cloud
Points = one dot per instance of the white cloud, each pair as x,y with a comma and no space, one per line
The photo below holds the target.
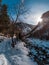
30,18
35,12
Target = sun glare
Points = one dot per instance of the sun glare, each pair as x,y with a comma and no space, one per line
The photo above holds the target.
39,19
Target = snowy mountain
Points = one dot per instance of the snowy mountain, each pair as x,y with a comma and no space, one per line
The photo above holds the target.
25,28
42,31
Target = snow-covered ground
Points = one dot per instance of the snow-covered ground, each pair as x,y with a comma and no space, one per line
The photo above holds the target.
14,56
43,43
33,52
39,50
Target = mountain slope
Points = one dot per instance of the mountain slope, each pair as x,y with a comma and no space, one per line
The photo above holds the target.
42,31
25,28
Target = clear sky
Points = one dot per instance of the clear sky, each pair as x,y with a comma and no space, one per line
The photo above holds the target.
35,9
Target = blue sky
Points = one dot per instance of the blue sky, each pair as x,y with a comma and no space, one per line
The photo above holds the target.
35,9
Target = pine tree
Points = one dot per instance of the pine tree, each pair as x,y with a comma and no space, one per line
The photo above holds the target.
0,7
0,14
4,18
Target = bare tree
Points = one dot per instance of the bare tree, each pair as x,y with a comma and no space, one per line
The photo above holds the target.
19,10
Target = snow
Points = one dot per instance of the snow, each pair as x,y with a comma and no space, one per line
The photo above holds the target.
19,54
3,60
14,56
26,30
39,50
38,42
1,37
44,43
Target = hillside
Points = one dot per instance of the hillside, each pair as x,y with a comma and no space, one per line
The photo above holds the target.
25,28
42,31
